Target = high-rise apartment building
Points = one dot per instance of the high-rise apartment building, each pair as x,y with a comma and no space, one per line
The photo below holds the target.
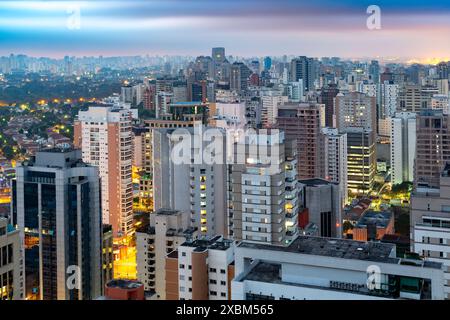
105,136
432,147
11,262
191,183
303,122
56,204
403,146
259,211
355,109
356,116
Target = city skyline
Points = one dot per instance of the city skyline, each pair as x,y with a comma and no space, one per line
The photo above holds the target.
230,150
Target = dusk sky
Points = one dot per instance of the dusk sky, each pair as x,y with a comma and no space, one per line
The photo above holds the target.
409,29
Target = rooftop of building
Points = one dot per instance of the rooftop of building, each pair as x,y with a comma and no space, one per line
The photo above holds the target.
215,243
337,248
344,249
271,272
380,218
124,284
56,158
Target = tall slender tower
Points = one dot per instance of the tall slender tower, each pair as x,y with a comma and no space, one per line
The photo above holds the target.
104,134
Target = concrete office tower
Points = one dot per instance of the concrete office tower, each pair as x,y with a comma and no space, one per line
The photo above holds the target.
433,141
403,147
11,268
335,159
327,96
302,122
355,109
271,101
324,201
306,69
430,224
200,270
155,238
389,99
191,186
361,160
313,268
257,187
56,206
105,136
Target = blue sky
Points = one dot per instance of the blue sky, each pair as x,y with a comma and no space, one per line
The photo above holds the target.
413,28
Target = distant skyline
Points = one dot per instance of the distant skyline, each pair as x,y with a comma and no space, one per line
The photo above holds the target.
409,29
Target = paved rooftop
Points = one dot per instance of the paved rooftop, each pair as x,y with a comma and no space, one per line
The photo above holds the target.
344,249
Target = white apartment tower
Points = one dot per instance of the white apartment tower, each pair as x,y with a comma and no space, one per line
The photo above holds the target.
105,136
403,147
192,184
263,203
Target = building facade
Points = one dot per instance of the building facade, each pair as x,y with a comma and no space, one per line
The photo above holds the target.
105,136
56,206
